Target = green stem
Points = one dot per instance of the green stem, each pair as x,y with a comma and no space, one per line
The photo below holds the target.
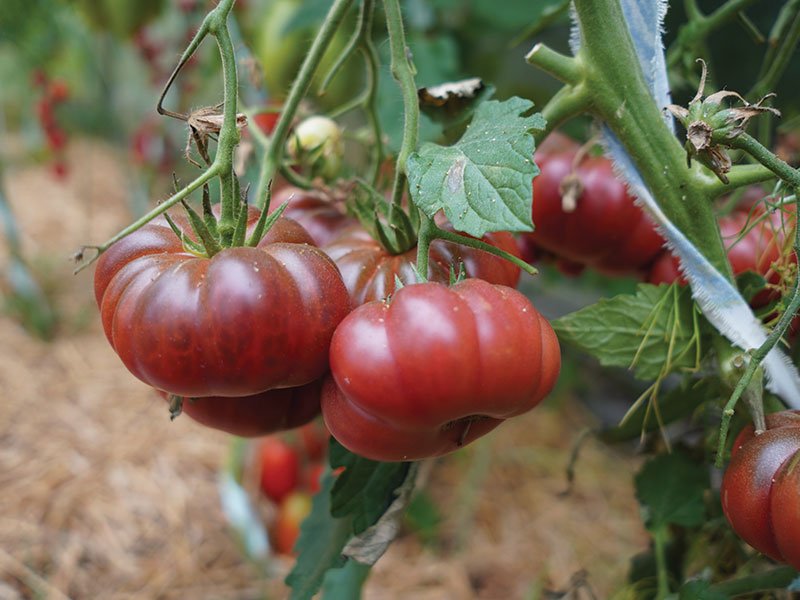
403,73
371,100
425,235
464,240
300,86
229,132
660,536
782,42
753,147
207,176
569,102
739,176
562,67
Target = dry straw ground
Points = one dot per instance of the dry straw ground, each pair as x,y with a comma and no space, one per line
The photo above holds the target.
101,496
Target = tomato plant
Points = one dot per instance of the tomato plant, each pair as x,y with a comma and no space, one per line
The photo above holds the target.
482,350
169,314
761,488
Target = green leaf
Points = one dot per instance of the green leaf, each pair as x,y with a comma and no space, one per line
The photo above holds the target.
653,332
700,590
322,539
365,489
483,182
423,517
670,488
345,583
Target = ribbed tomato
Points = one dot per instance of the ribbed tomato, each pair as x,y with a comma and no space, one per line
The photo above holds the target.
436,368
369,271
243,322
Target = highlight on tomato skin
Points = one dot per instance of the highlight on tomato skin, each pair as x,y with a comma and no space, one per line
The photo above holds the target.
436,368
760,490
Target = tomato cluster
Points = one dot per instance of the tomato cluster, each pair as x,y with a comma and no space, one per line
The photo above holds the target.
761,488
261,339
289,472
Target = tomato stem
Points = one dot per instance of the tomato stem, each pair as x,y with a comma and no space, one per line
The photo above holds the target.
300,87
403,73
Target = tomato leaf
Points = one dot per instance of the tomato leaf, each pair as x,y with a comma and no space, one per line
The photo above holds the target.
370,545
484,181
346,582
700,590
365,489
322,539
653,331
670,489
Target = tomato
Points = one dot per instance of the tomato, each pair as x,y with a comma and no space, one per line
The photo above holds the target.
369,271
243,322
280,468
267,119
606,230
436,368
315,210
317,147
754,243
761,488
291,513
259,414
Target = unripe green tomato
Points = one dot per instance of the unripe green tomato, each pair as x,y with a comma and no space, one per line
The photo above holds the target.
316,143
122,18
281,51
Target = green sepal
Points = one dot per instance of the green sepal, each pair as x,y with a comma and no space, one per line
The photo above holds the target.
207,240
188,243
240,231
208,213
265,222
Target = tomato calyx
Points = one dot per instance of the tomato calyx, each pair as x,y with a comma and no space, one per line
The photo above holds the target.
210,234
390,225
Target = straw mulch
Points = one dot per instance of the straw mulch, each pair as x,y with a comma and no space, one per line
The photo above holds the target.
101,496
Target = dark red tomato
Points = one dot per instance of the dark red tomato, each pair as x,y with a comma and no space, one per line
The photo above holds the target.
259,414
606,230
315,210
243,322
761,488
369,271
280,468
436,368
